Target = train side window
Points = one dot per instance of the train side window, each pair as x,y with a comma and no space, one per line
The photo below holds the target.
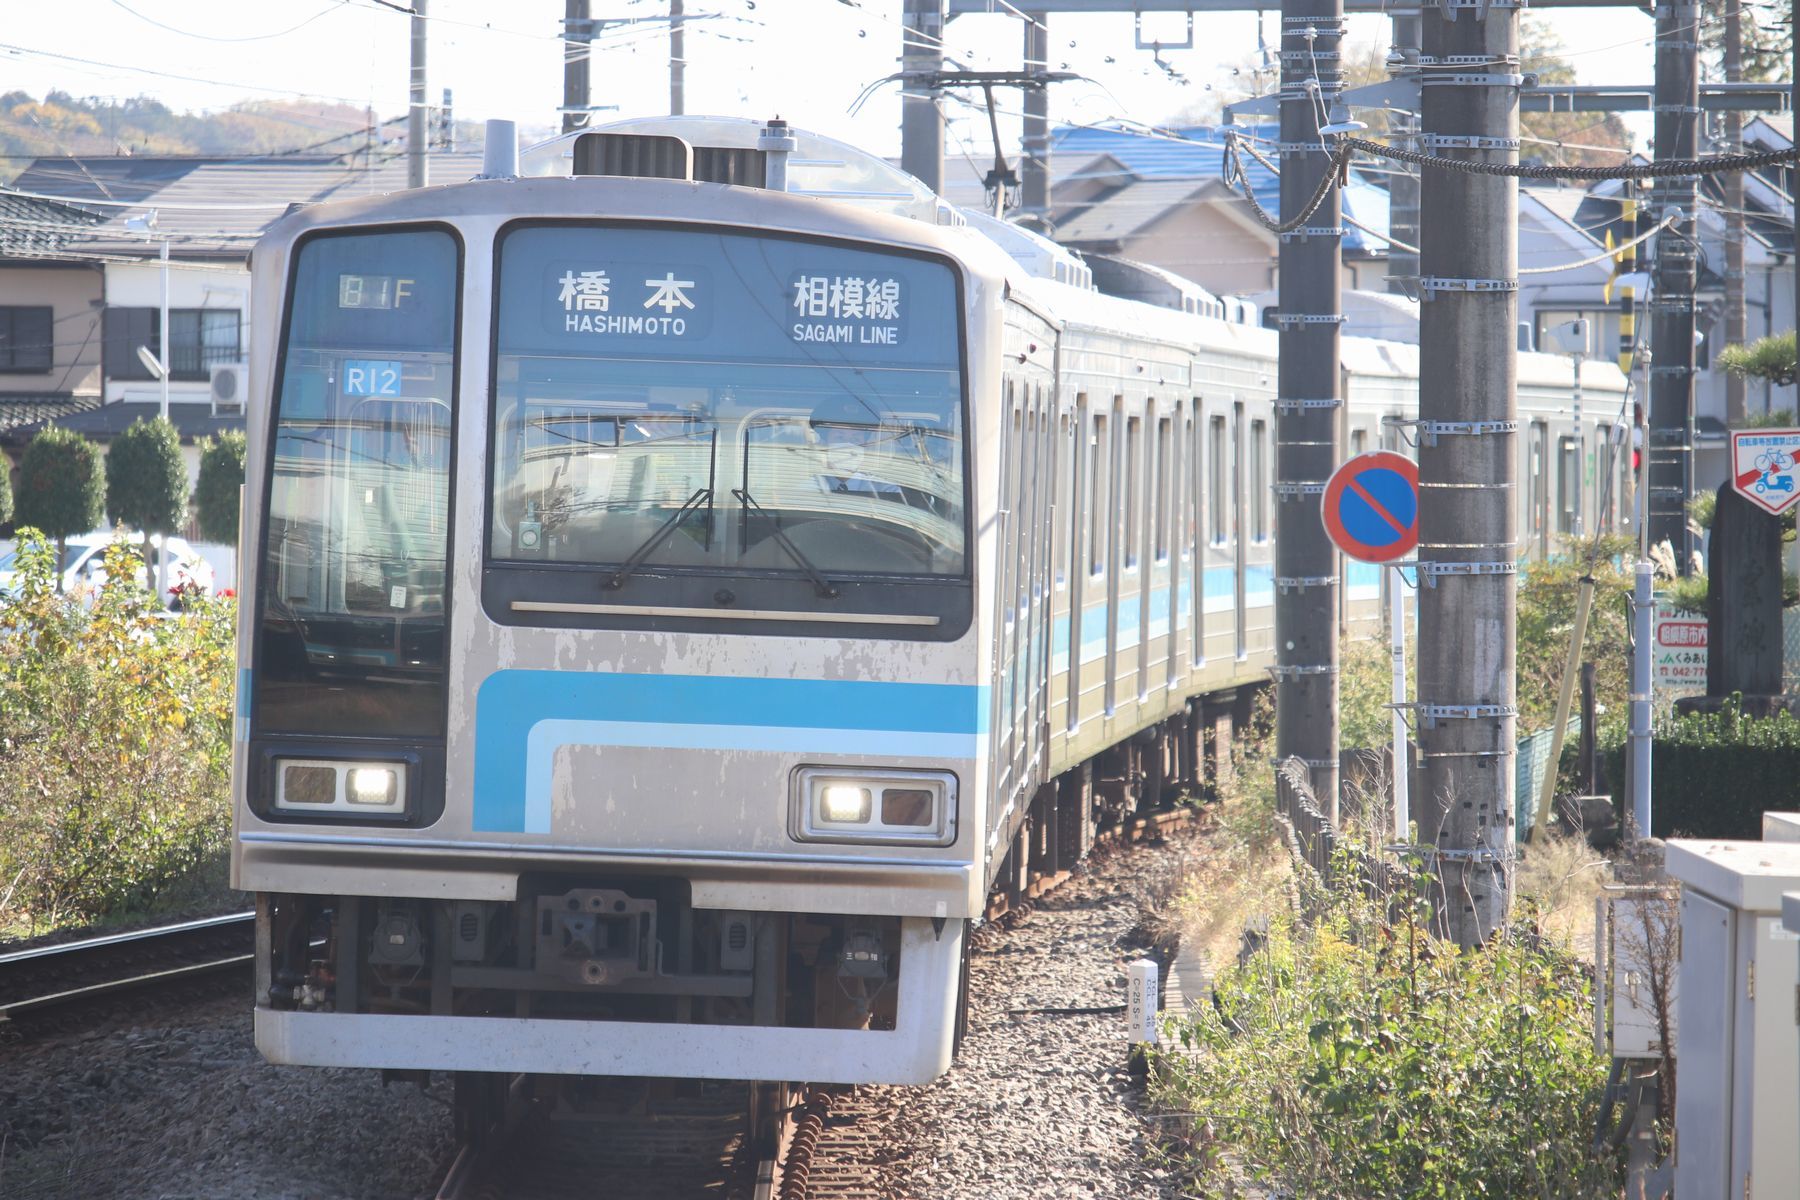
1164,481
1215,494
1099,494
1568,484
1132,491
1065,489
1259,481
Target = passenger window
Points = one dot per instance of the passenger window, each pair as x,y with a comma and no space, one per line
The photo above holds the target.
1160,528
1100,499
1215,498
1259,481
1133,489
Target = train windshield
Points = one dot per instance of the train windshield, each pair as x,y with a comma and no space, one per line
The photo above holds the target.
673,399
352,600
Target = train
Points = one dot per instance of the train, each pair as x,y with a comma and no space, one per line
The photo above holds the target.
689,575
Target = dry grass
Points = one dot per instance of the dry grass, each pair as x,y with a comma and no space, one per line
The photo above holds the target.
1560,877
1245,877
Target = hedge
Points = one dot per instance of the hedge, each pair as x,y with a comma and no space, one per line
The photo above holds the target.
1715,774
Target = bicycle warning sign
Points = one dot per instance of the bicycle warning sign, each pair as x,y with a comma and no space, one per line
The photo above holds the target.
1764,467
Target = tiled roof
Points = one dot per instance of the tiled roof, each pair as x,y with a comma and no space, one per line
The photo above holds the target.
170,183
20,409
38,228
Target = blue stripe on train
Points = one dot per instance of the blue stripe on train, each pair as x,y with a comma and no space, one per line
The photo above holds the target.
522,717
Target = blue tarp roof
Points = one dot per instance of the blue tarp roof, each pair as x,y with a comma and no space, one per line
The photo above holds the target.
1198,152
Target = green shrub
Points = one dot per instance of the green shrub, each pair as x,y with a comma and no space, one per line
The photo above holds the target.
115,747
216,493
6,497
146,482
60,491
1547,595
1715,774
1359,1059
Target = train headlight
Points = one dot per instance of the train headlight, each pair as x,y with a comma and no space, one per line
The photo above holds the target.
315,785
831,804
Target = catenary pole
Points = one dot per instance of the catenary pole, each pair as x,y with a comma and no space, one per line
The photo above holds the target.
677,57
921,121
1034,150
1670,449
1733,185
1308,402
578,49
1403,184
1467,693
417,172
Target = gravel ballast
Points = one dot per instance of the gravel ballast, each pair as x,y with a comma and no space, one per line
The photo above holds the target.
1039,1105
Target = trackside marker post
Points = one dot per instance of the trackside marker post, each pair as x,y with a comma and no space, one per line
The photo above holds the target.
1140,1010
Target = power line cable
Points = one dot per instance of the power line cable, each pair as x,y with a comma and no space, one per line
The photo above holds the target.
207,37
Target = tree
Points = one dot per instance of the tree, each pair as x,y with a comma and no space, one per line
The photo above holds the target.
1575,139
221,476
6,499
146,482
60,489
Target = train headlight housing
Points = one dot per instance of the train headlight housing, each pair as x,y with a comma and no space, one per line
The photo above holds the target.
316,785
834,804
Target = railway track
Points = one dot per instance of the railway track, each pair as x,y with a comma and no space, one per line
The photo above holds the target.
553,1138
52,988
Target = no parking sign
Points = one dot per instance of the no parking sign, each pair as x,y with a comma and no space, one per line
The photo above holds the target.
1371,507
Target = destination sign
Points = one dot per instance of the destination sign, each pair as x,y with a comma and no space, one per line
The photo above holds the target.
590,289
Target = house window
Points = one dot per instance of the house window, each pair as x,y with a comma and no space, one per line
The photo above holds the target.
26,335
199,339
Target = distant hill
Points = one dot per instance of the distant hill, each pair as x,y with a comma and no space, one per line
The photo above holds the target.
61,123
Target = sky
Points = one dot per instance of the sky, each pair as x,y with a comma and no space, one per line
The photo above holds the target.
810,61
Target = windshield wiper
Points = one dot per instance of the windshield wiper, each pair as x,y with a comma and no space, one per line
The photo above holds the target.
822,585
648,546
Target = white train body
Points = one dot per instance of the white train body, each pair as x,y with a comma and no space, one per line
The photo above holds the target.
937,583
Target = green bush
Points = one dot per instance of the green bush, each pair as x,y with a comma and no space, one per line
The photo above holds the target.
1547,595
60,491
6,499
146,482
216,493
1359,1059
1715,774
115,747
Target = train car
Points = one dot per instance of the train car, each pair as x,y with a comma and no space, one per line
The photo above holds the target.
672,607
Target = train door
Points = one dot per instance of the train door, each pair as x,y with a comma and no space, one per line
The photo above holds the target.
1102,508
1537,490
1114,522
1239,559
1035,596
1141,572
1194,545
1171,545
1074,521
1007,578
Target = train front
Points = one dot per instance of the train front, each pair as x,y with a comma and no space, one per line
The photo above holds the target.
609,702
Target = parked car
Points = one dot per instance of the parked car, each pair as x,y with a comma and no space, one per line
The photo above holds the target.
83,563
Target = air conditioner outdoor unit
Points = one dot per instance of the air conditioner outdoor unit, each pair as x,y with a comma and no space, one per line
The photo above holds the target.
230,384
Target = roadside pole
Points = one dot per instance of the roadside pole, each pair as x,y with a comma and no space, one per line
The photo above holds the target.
1307,403
1468,434
1397,621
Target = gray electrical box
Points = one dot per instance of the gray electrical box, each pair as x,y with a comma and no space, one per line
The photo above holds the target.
1736,1116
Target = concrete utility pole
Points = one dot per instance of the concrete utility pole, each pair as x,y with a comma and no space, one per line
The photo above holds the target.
921,121
1670,437
417,173
1733,183
1468,463
1403,184
677,57
1307,402
578,46
1034,150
